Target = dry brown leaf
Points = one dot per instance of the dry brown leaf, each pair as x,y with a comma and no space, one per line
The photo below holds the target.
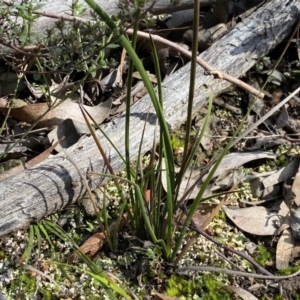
151,77
114,78
198,218
285,224
71,130
37,90
67,109
206,141
237,159
189,178
231,178
257,220
95,243
135,91
3,101
283,119
275,76
284,174
243,294
284,249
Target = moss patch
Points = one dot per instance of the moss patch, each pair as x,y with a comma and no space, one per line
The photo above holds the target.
204,287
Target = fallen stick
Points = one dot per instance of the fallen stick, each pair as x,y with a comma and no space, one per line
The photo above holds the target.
210,69
55,183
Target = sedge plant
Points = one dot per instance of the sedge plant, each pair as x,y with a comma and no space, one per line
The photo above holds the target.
153,217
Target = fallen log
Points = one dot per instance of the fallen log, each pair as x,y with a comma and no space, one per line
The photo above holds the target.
55,183
49,11
111,7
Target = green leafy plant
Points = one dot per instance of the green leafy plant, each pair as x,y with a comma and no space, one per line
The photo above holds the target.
83,50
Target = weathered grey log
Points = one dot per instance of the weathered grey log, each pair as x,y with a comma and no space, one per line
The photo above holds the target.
55,183
59,7
111,7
